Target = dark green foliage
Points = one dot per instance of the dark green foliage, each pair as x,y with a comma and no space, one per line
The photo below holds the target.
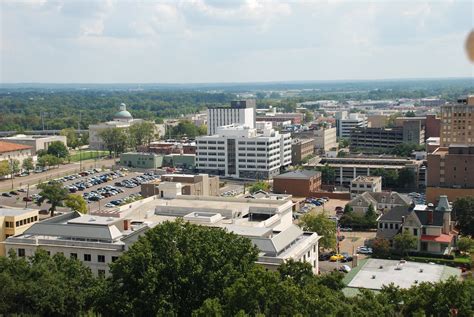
58,149
404,241
260,185
187,129
45,286
68,108
174,268
405,149
406,178
358,221
389,177
54,193
381,248
463,213
327,174
115,140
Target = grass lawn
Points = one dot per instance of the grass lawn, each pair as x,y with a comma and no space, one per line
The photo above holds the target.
87,155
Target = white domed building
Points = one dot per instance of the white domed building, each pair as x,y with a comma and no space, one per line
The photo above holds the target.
122,119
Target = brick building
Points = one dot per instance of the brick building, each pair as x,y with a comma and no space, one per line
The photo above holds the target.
300,183
450,171
301,149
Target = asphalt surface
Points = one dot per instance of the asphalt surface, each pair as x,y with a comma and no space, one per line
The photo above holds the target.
63,170
17,201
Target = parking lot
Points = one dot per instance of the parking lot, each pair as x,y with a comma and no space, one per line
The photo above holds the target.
99,188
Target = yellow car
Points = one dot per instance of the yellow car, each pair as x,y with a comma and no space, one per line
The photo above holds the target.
336,257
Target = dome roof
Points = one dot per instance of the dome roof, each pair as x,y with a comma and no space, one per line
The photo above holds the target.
123,113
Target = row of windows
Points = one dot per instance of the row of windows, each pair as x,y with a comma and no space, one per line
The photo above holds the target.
19,223
87,257
210,142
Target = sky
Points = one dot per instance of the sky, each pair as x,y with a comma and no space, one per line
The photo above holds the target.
198,41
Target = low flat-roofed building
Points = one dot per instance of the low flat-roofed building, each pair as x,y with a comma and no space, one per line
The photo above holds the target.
93,240
376,273
37,142
362,184
300,183
264,219
141,160
14,221
348,168
199,185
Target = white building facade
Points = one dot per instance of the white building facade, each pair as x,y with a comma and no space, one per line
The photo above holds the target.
240,112
345,124
241,152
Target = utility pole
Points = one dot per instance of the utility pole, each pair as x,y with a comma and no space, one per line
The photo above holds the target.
27,195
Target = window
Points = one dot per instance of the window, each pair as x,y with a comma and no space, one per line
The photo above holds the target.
396,226
73,256
114,258
101,258
87,257
21,252
381,225
423,230
415,231
391,226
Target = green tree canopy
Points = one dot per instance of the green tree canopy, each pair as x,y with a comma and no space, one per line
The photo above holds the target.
328,176
260,185
115,140
71,137
45,286
186,128
321,224
463,213
141,133
404,241
381,247
58,149
179,265
76,203
28,164
465,244
53,193
4,168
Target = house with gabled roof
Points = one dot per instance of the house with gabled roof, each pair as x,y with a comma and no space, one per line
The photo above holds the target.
432,227
383,201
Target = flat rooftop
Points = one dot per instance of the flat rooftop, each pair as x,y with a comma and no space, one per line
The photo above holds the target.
376,273
11,212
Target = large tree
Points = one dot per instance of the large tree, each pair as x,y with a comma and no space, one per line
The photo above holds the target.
45,286
321,224
71,137
406,178
28,164
4,168
463,213
115,140
76,203
328,176
58,149
174,267
404,242
141,133
260,185
54,193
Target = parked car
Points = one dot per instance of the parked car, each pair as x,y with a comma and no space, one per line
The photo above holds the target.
325,256
27,198
22,190
336,257
347,257
6,195
364,250
344,268
14,193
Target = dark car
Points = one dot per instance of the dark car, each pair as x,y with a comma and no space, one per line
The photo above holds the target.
14,193
6,195
325,256
27,199
347,257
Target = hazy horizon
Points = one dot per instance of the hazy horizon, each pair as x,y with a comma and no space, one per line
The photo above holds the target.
238,41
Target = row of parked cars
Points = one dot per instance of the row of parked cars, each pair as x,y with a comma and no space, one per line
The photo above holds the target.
125,200
137,180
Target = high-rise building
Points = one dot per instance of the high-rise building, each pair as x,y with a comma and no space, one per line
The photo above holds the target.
241,152
345,124
240,112
450,172
457,122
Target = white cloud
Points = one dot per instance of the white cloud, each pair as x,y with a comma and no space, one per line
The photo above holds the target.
197,40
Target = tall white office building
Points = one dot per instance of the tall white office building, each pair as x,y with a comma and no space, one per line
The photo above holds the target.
240,112
345,124
242,152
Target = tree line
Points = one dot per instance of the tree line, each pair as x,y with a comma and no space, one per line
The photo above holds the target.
181,269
